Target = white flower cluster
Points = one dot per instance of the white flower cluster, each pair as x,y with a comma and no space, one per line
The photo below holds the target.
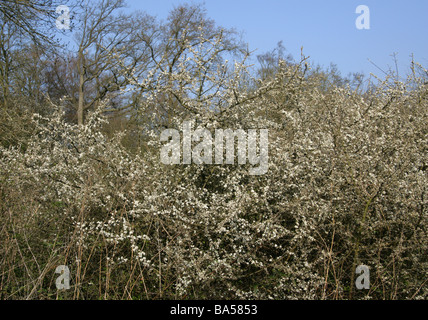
347,184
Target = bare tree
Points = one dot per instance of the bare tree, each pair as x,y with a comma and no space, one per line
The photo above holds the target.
104,38
34,18
188,43
269,62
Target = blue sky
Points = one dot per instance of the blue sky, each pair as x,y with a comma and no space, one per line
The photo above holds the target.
326,29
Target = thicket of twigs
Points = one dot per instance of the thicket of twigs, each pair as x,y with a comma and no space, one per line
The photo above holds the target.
346,186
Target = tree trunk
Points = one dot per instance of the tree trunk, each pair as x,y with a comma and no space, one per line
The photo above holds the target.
80,107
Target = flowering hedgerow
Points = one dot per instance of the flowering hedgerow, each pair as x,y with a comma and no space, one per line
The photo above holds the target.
346,186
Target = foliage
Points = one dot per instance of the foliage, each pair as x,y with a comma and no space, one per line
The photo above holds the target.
347,184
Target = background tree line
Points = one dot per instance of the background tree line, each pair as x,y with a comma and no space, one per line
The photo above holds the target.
109,48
